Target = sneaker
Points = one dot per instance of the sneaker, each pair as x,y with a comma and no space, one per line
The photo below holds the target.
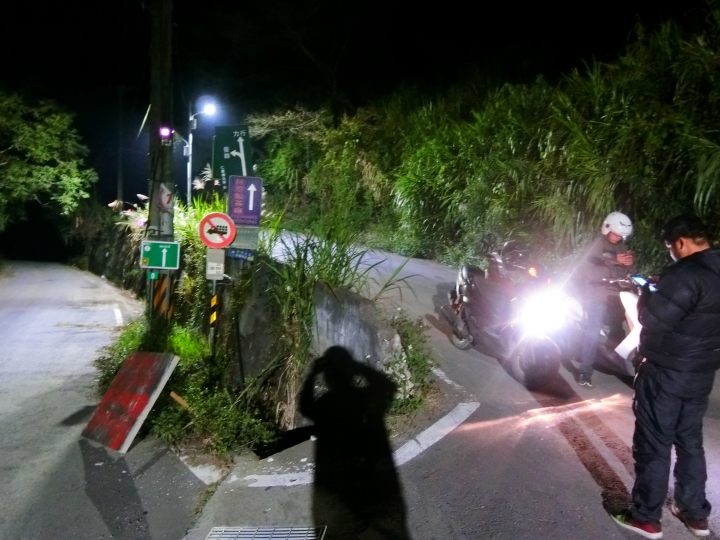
648,530
699,527
584,380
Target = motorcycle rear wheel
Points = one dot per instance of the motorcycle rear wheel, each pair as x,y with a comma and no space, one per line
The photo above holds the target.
535,361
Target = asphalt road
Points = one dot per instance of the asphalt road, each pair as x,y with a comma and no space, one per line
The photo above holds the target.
54,320
524,465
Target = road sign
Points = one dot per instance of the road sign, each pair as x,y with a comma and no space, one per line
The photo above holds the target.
160,255
231,153
245,200
246,238
217,230
242,254
215,264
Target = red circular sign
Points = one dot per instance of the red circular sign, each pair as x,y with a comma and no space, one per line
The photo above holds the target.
217,230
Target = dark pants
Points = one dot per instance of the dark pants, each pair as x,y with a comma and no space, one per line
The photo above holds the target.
669,407
597,312
594,315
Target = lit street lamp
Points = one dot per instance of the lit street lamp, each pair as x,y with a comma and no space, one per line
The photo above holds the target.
208,109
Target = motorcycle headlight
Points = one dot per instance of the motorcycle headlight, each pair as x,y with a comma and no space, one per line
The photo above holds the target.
545,312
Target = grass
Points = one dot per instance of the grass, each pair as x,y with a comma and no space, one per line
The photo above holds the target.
416,350
213,417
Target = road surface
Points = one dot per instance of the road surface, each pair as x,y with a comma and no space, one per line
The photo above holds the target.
524,465
54,320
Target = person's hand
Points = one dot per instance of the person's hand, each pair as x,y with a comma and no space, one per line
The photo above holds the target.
626,259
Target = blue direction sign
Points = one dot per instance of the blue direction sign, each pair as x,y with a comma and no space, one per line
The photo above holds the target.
245,200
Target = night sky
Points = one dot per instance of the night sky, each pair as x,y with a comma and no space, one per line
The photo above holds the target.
256,56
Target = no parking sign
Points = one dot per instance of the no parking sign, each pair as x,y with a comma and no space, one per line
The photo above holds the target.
217,230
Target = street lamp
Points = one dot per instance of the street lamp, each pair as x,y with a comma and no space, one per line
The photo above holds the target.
208,109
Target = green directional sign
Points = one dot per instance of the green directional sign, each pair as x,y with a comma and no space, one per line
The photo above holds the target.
160,255
231,153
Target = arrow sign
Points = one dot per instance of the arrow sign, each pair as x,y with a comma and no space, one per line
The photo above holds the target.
161,255
252,189
241,155
245,200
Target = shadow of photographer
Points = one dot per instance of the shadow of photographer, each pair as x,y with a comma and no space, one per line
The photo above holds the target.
357,492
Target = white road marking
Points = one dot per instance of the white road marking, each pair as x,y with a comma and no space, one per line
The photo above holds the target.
440,374
207,474
118,316
434,433
401,456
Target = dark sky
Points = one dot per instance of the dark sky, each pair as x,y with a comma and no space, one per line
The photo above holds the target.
254,56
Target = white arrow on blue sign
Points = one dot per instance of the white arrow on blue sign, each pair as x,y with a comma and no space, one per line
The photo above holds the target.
245,200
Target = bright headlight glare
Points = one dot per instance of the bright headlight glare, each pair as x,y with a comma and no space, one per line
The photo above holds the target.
545,312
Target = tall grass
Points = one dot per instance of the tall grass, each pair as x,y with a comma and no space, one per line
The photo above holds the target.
544,161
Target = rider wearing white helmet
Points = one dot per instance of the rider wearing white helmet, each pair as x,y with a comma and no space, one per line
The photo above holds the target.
606,257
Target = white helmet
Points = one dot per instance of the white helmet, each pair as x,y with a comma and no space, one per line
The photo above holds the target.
618,223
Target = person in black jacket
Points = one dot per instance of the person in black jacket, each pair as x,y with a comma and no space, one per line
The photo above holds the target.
680,341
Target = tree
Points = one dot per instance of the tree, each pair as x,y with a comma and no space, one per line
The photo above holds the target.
41,157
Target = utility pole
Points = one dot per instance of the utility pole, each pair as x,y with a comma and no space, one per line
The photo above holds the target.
121,89
160,218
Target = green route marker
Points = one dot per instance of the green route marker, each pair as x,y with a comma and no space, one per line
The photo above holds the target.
160,255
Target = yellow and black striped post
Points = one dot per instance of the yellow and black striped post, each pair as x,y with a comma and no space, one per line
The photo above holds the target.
214,308
162,304
214,312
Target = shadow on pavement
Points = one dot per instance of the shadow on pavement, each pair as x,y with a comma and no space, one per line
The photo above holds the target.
110,487
79,417
357,492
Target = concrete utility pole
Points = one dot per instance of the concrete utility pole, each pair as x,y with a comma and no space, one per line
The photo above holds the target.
160,218
120,145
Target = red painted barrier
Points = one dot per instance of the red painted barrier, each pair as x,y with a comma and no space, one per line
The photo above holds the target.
129,399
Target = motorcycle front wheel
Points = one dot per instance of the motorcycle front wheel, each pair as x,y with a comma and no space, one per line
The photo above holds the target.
535,361
461,343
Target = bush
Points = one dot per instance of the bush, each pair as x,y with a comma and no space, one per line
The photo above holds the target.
214,417
546,162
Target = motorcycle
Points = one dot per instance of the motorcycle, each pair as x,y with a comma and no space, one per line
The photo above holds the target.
514,311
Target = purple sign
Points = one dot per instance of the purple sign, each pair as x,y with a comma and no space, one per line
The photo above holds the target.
245,200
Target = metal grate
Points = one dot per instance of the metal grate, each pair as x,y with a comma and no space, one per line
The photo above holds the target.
267,533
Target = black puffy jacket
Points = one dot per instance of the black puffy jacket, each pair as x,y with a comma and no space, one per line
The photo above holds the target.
681,321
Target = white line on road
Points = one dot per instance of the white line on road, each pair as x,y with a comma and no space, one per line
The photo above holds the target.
440,374
402,455
118,316
434,433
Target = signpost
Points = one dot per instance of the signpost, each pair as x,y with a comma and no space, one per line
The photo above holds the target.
217,230
231,153
245,204
215,264
160,255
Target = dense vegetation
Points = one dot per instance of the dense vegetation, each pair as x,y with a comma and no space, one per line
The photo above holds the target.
221,413
41,157
430,175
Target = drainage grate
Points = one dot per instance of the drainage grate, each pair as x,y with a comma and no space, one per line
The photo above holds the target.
266,533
